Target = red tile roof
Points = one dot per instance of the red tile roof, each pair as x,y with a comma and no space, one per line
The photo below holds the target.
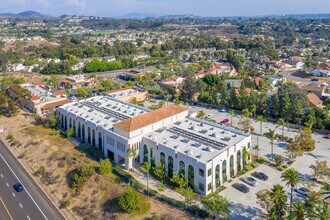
39,84
59,92
56,104
35,97
313,88
314,100
149,118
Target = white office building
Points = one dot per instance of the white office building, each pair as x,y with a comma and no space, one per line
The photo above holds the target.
207,154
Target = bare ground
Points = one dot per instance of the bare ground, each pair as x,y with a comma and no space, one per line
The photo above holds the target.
98,199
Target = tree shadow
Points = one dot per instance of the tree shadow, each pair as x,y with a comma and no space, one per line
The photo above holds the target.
243,212
315,156
111,206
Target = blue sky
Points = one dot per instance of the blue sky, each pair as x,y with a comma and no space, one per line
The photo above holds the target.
109,8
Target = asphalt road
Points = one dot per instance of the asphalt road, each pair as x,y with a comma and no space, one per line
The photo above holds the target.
289,75
30,204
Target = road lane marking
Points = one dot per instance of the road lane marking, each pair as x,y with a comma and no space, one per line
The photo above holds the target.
20,205
24,187
6,208
1,175
7,184
28,217
14,194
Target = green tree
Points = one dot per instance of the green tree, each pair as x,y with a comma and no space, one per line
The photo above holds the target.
189,195
271,135
105,167
279,199
179,179
146,167
280,122
231,113
260,119
133,153
70,132
200,114
326,190
217,204
128,200
278,159
299,211
292,178
160,171
319,210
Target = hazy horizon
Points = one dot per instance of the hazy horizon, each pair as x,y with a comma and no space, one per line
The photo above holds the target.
212,8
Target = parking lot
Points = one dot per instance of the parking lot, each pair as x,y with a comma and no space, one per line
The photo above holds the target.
245,205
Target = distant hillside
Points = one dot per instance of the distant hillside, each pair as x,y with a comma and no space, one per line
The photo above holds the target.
25,14
136,15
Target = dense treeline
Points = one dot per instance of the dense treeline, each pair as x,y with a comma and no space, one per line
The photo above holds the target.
289,102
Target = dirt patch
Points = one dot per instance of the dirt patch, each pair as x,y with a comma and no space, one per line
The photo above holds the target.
53,157
21,46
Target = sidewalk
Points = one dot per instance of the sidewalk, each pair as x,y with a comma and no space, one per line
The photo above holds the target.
153,184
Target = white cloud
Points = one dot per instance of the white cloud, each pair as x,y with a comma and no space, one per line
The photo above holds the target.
77,3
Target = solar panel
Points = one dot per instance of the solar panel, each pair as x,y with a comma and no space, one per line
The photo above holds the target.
207,141
105,110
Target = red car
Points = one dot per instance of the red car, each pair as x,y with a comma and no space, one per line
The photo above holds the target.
328,136
225,121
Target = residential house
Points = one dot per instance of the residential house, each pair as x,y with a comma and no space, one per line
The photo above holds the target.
323,70
314,101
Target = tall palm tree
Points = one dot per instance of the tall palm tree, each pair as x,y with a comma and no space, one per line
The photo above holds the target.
231,113
245,155
279,199
298,211
133,153
292,178
146,167
260,119
271,135
319,210
282,123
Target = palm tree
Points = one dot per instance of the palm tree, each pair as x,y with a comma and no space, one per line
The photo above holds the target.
231,113
260,119
256,149
292,178
133,153
281,122
326,190
279,199
146,167
298,211
245,155
319,210
271,135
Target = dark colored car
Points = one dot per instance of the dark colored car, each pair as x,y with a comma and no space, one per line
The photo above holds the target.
18,187
241,187
315,79
260,175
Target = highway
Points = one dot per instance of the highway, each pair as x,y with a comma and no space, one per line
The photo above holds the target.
30,204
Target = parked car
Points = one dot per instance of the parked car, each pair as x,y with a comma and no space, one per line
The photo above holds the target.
225,121
250,180
260,175
241,187
315,79
209,116
328,137
222,110
18,187
302,191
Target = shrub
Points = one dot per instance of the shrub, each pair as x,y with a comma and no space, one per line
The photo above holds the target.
240,173
11,137
70,132
248,167
106,167
66,203
278,159
81,175
290,162
280,169
261,160
285,166
128,201
41,171
171,201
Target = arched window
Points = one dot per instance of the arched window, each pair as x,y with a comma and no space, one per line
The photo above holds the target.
70,123
100,141
182,168
152,157
62,121
79,130
83,132
191,174
170,166
65,123
93,138
145,153
74,125
239,159
89,135
162,158
231,165
224,171
217,176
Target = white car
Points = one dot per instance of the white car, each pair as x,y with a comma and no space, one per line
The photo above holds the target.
209,116
249,180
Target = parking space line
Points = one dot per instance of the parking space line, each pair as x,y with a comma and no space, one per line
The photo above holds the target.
20,205
7,184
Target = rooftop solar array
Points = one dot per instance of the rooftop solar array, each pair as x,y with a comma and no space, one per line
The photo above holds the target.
195,137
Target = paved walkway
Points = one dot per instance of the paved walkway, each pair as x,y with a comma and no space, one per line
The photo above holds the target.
153,184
